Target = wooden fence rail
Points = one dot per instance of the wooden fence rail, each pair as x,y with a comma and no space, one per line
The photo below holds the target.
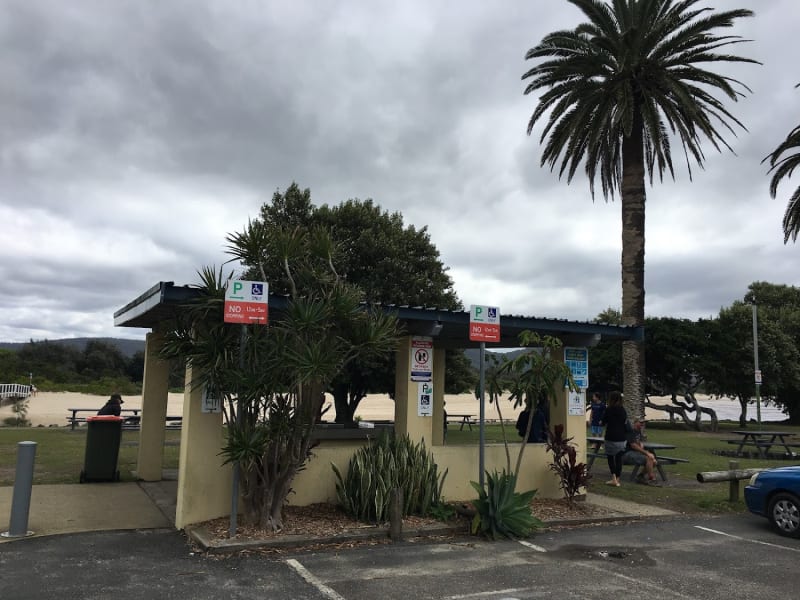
734,474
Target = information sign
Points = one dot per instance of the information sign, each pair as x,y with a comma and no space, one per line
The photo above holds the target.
210,403
577,359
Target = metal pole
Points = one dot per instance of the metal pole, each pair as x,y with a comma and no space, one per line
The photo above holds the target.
482,442
756,373
23,483
235,487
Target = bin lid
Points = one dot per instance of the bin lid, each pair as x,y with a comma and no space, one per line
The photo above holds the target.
104,418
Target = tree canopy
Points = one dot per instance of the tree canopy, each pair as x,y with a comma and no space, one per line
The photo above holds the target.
716,356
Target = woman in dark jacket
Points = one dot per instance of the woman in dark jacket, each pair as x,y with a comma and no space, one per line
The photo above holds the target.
614,420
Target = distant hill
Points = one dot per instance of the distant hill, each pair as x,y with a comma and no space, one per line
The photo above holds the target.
474,356
126,347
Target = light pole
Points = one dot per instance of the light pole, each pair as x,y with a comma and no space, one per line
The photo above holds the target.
757,372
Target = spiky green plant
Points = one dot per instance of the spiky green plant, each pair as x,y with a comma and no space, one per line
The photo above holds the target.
384,464
501,511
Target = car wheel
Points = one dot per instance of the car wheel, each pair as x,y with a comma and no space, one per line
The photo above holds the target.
784,514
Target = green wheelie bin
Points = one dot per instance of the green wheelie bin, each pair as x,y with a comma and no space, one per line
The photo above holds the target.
103,436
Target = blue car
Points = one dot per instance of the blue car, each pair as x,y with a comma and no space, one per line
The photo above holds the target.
775,494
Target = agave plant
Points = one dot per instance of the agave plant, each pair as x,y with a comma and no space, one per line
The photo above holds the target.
501,511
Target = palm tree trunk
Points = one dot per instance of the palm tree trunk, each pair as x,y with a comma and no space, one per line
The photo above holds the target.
632,194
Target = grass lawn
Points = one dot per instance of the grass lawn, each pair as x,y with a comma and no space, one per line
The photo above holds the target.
60,453
682,493
60,457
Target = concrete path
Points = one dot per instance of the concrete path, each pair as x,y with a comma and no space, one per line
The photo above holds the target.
72,508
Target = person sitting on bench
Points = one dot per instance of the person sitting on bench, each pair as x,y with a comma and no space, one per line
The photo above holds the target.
112,406
636,454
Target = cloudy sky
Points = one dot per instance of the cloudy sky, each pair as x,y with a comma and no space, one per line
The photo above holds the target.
136,134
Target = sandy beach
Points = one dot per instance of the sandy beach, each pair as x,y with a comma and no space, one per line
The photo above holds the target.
48,409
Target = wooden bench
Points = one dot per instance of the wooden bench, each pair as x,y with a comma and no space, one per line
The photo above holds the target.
662,460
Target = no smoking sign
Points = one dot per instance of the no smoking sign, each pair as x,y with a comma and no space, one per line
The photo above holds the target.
421,358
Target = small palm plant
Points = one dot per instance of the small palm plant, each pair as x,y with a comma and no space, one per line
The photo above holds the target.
500,509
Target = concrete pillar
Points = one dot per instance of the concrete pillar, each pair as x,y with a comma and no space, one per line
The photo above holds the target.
438,396
204,484
406,419
574,425
155,390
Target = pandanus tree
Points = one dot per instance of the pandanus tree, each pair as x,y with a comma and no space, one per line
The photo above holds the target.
272,378
615,91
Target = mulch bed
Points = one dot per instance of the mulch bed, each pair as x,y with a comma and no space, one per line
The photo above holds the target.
327,520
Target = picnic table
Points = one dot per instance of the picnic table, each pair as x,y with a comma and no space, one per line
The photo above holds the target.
463,419
595,443
762,441
131,417
74,419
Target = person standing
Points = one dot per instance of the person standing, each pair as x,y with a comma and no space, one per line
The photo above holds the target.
598,409
113,406
616,436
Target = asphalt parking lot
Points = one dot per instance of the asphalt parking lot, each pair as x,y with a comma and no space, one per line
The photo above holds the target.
680,558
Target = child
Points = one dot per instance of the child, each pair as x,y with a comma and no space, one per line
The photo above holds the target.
598,408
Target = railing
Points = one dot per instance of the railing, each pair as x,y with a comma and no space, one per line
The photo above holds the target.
14,391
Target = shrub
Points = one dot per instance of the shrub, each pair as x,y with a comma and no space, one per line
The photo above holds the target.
502,512
384,464
572,475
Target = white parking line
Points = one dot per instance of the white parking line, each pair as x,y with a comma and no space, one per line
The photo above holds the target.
486,594
306,574
736,537
532,546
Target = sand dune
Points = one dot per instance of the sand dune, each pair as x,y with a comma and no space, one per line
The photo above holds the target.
51,408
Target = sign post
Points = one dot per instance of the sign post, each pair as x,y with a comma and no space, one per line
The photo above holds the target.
484,326
756,370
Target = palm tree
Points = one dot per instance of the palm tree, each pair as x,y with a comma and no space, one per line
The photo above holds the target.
616,89
783,167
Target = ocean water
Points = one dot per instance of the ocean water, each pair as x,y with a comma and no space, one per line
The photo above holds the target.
727,409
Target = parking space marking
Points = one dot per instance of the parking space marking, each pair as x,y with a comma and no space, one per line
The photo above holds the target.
744,539
532,546
636,583
486,594
306,574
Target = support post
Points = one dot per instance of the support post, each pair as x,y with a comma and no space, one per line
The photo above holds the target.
733,494
396,515
23,484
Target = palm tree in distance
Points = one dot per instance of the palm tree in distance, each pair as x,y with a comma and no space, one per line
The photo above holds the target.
616,89
783,167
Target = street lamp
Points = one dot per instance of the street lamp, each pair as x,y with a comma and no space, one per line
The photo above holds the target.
757,371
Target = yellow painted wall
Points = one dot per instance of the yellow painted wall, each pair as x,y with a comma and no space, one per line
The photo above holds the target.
204,484
317,483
